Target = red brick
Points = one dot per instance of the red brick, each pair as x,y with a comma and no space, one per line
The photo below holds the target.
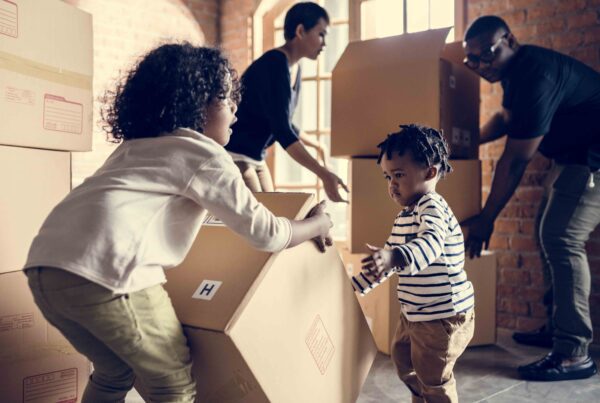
507,291
540,13
506,321
528,227
532,262
531,195
514,306
526,323
498,242
588,18
553,26
494,7
533,178
525,32
506,226
570,5
567,40
526,244
515,18
514,277
532,294
507,259
538,310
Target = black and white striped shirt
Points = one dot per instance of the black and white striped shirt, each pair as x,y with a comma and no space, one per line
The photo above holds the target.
433,283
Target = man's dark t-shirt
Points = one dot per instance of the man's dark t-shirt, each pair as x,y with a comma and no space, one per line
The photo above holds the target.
551,94
267,107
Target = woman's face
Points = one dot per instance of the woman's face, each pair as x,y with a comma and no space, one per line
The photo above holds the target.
313,40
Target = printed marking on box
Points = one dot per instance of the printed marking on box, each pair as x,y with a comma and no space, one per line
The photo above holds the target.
213,221
207,290
58,386
455,139
319,344
9,18
18,321
61,115
19,96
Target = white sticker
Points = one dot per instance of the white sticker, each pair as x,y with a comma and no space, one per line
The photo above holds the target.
452,82
465,138
455,135
207,290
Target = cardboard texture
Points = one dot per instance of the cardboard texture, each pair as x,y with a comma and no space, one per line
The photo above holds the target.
379,84
34,181
372,211
45,75
36,362
270,326
382,310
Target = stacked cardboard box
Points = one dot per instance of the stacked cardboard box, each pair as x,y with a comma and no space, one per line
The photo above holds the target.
281,327
46,87
377,85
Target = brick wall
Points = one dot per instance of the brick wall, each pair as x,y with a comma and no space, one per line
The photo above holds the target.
571,27
123,31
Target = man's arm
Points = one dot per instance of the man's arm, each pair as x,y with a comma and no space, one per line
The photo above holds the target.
509,172
494,128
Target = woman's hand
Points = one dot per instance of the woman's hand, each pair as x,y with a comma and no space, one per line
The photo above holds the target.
331,184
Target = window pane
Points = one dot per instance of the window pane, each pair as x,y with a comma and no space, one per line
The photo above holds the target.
289,172
335,42
442,13
337,9
339,216
325,105
381,18
417,12
309,67
279,40
306,111
280,19
339,166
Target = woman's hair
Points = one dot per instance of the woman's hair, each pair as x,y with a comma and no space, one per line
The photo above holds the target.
427,146
172,86
306,14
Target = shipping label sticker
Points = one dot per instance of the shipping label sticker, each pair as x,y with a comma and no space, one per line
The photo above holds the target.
319,344
452,82
61,115
19,96
9,18
455,139
465,138
58,386
18,321
207,290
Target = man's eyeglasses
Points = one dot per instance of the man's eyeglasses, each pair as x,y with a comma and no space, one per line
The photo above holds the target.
487,56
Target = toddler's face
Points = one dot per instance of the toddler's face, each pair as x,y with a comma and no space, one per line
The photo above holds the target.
406,179
220,115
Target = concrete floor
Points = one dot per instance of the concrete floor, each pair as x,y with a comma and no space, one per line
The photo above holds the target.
484,374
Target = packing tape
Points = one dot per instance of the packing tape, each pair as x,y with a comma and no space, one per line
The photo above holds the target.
42,71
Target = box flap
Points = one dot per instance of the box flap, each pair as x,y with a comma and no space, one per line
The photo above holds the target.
393,50
221,267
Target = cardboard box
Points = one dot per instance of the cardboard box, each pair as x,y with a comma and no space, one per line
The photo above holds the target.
372,211
33,182
45,75
36,362
481,273
382,310
380,306
379,84
281,327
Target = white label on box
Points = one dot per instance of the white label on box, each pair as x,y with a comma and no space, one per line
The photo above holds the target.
19,96
213,221
18,321
61,115
319,344
9,18
58,386
207,290
452,82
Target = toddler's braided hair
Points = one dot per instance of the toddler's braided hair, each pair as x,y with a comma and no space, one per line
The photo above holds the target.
426,145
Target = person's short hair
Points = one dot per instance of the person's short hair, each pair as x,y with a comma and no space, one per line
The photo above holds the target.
306,14
171,86
485,24
427,147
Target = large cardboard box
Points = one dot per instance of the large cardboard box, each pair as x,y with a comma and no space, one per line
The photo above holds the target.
372,211
36,363
33,182
481,272
379,84
382,310
282,327
45,75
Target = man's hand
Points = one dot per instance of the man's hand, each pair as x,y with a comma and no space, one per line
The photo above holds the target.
331,184
322,240
480,230
379,262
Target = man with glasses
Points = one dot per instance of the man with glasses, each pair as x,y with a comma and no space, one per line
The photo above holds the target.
551,104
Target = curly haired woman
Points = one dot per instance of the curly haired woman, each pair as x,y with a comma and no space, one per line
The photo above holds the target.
96,268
